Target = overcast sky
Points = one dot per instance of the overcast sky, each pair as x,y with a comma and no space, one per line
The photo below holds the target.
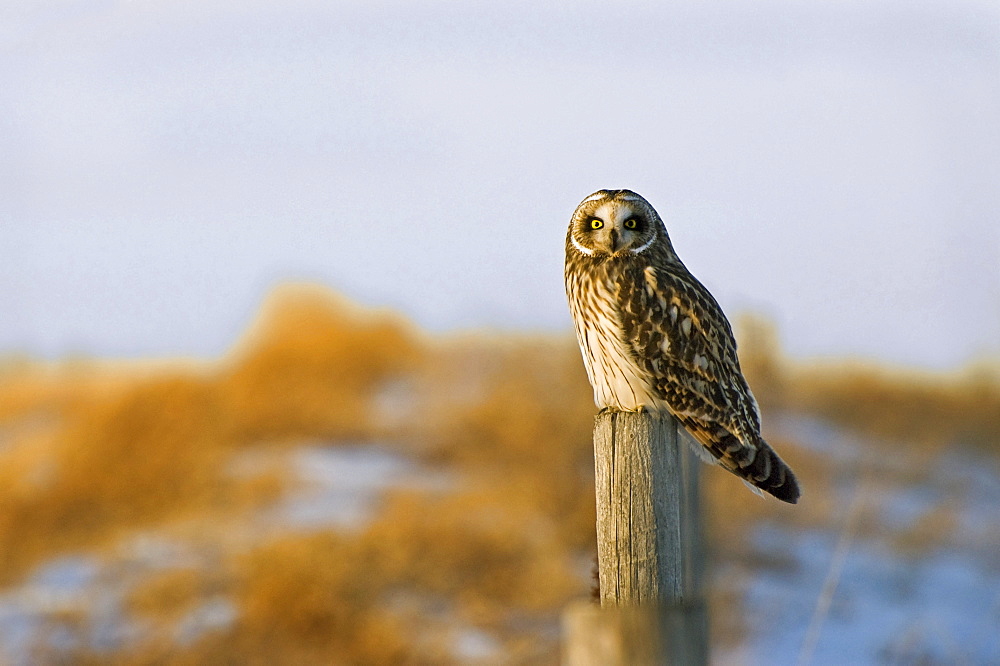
163,163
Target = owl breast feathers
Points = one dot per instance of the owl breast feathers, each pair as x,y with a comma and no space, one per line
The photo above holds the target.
653,338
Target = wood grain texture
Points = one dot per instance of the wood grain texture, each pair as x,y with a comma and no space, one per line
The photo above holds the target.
650,545
649,541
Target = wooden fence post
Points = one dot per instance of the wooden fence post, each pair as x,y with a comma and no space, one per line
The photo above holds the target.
650,549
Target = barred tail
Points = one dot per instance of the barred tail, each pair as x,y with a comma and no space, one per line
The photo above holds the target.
770,473
758,465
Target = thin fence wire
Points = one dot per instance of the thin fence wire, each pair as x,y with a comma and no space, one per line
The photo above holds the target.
848,532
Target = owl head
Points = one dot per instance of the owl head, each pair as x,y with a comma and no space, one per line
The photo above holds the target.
615,223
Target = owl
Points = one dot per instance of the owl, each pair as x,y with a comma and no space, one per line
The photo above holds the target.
654,339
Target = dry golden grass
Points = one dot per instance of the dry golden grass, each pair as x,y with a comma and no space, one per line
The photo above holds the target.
136,456
310,367
169,595
89,458
118,452
929,410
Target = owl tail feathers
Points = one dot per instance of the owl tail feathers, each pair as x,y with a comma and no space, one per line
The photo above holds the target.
769,472
759,466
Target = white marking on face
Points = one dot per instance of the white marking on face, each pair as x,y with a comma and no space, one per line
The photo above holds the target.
576,244
613,213
645,246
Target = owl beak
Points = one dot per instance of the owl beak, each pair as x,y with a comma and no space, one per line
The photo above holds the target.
614,240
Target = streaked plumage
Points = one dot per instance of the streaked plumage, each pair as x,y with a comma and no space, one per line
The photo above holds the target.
653,338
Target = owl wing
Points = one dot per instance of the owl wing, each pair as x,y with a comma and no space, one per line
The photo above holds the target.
679,335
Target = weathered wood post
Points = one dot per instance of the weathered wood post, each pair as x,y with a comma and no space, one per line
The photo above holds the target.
650,549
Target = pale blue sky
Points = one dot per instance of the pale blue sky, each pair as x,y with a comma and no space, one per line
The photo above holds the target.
833,165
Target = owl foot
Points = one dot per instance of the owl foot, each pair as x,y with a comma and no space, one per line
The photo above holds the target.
641,409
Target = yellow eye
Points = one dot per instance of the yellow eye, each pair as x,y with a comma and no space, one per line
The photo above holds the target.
630,223
596,223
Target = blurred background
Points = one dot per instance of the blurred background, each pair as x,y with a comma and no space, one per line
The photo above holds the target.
286,370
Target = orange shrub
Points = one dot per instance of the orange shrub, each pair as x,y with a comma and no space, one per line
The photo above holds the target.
313,367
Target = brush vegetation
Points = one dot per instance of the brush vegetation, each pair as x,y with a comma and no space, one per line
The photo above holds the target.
474,567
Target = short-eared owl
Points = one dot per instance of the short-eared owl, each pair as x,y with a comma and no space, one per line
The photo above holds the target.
653,338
